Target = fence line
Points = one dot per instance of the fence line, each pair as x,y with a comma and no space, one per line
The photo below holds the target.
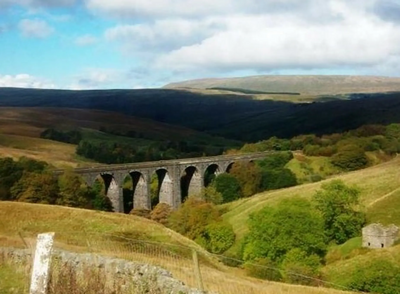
212,274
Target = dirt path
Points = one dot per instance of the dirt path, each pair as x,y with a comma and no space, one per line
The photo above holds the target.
383,197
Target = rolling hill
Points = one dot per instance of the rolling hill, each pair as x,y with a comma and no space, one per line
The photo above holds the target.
306,85
379,190
234,116
20,129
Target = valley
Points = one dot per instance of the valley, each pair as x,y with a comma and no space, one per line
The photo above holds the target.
316,136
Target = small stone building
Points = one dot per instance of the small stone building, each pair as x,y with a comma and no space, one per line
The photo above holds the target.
379,236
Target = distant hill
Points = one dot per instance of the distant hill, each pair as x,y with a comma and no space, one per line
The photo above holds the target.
306,85
232,116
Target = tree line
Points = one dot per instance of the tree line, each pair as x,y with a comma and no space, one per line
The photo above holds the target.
115,152
28,180
346,150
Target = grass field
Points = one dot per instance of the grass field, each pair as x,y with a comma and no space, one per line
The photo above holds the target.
307,167
107,233
60,155
375,184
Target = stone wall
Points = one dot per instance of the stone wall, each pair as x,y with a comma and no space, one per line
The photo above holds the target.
128,272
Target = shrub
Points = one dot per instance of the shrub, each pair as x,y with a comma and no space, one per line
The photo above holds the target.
378,276
192,218
248,176
219,237
211,195
228,186
350,157
160,213
274,231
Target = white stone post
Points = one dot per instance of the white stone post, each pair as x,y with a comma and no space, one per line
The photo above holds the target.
41,263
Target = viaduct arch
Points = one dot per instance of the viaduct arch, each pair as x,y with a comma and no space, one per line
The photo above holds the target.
177,179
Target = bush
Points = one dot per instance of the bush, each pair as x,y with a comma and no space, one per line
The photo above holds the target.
211,195
192,218
248,176
275,231
228,186
350,157
378,276
263,268
160,213
219,237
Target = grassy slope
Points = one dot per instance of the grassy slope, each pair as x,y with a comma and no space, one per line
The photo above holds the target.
304,167
310,85
83,230
375,183
60,155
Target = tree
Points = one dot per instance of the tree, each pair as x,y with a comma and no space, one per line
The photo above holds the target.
211,195
274,231
10,173
350,157
248,176
276,179
218,237
192,218
228,186
73,191
100,201
376,276
339,206
275,161
36,188
160,213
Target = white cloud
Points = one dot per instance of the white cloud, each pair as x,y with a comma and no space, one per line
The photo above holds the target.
85,40
196,8
25,81
35,28
164,34
37,3
269,43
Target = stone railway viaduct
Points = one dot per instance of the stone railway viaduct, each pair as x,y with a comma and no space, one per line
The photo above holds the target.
177,178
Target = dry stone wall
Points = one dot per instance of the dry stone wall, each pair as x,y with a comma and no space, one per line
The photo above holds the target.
130,273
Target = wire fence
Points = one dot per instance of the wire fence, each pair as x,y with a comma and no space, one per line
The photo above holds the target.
210,274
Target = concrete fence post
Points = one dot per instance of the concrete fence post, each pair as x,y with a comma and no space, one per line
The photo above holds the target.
197,272
41,263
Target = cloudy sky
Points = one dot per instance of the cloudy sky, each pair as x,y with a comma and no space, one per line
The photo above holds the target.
83,44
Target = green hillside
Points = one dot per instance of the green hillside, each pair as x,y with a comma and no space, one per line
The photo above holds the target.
378,186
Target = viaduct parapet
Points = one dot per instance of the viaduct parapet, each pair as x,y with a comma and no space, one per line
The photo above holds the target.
177,178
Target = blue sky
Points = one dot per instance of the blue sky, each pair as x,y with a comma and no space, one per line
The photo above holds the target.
97,44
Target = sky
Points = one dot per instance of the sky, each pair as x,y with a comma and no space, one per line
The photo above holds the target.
103,44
